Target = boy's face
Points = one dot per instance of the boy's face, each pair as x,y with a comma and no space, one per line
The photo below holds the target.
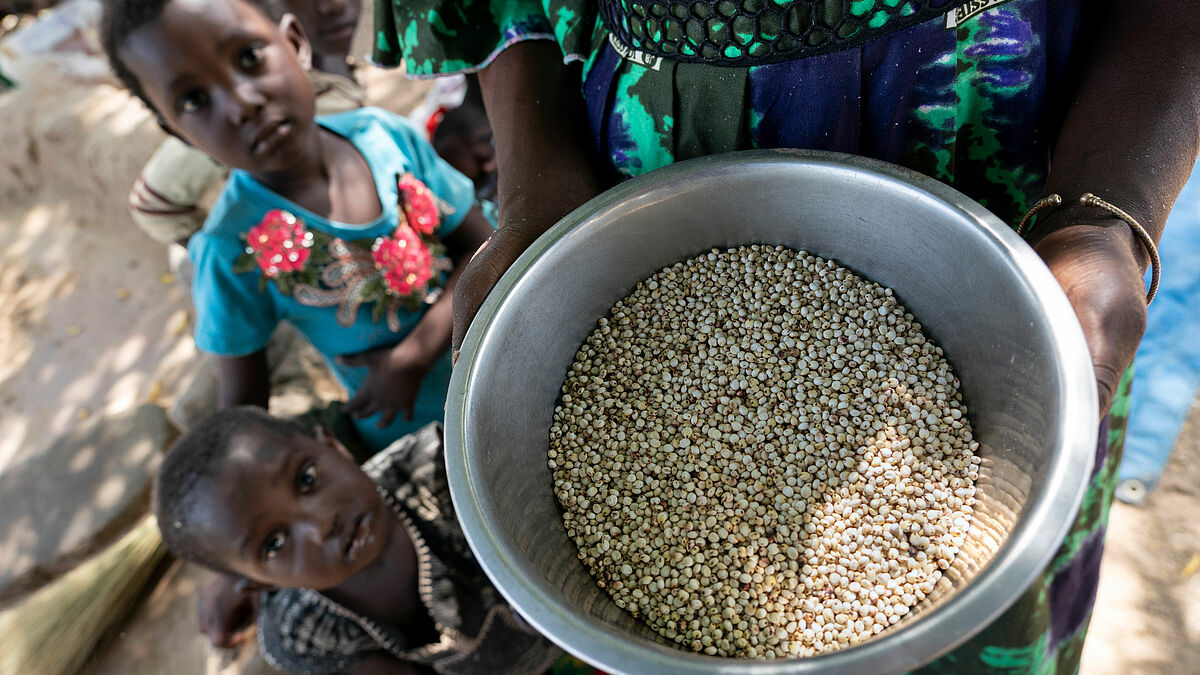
224,78
292,511
329,24
472,153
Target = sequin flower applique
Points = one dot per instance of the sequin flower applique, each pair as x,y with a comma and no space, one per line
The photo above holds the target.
282,248
401,270
418,204
404,261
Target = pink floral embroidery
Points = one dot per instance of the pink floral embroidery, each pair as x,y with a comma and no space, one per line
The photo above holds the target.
279,243
400,270
419,204
405,262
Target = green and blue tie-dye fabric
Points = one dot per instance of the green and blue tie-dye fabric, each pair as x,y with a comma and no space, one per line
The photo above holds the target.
976,106
437,37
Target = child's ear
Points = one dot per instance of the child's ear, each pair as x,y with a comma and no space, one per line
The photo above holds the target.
329,439
244,585
293,32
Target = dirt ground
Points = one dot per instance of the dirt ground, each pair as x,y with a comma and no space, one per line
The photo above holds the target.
1147,618
92,323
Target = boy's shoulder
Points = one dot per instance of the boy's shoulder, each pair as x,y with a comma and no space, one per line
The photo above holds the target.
299,631
417,449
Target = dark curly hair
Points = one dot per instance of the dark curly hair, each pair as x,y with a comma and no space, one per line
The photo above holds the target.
122,17
193,465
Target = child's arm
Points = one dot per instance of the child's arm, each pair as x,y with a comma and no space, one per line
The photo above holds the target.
224,611
395,373
165,200
245,380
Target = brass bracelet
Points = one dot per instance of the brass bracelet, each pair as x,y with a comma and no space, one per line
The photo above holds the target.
1089,199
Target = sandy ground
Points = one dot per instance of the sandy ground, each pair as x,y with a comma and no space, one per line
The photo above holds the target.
91,323
1147,619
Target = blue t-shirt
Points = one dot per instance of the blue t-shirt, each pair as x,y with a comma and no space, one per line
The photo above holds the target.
237,312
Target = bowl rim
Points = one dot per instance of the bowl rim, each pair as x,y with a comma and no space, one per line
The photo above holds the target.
903,648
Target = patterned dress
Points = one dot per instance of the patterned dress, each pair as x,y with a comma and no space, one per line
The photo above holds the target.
973,98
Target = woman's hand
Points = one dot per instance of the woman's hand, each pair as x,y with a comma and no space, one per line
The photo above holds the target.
394,376
1096,263
482,272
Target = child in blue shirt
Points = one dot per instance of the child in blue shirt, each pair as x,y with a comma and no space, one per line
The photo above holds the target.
336,225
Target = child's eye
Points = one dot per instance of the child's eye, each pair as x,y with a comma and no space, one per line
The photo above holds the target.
191,101
306,478
251,56
272,545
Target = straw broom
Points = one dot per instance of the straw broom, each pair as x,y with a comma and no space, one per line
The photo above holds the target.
55,630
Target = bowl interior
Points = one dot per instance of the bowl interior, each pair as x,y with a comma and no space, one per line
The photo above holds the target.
977,290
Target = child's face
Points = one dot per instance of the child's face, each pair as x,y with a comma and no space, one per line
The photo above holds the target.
472,153
227,80
329,24
293,512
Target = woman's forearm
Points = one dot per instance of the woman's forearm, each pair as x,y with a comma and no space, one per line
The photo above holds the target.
1132,133
543,150
1130,137
544,158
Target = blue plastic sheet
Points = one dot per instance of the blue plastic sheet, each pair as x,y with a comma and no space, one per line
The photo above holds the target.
1167,373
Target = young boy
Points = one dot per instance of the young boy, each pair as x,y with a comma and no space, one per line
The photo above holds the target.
464,139
329,225
340,550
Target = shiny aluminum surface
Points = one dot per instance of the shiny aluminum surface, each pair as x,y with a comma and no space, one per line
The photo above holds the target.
1004,323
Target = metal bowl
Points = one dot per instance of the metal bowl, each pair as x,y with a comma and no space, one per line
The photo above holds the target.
978,290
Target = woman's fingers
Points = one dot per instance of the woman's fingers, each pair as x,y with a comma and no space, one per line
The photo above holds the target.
478,277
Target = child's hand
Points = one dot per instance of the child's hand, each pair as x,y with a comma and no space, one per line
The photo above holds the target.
225,609
393,379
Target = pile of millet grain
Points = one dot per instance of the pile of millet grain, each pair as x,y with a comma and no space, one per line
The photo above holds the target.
759,454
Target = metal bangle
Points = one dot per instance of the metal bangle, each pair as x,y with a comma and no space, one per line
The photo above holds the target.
1089,199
